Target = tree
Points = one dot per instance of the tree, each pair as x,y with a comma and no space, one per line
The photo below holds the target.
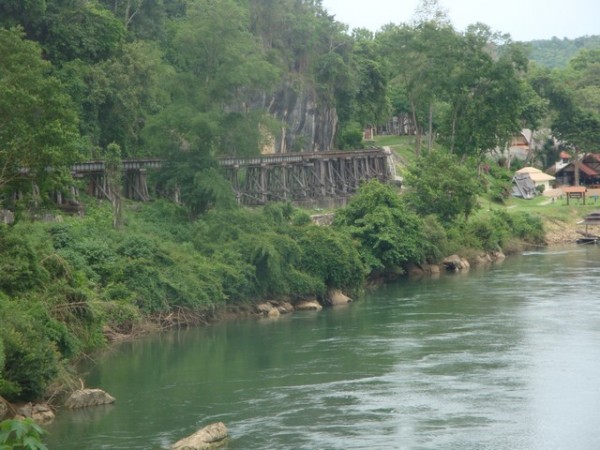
440,184
575,123
78,29
421,59
38,128
484,93
371,99
131,85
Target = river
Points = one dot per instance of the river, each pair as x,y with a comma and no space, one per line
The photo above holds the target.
506,357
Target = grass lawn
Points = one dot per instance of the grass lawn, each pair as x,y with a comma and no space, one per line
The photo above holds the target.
402,146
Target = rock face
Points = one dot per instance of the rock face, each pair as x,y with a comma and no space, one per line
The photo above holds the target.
7,217
84,398
4,410
211,436
308,125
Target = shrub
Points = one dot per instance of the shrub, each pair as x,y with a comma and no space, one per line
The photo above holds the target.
330,256
436,246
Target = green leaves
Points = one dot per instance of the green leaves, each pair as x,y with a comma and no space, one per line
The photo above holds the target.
440,184
22,434
388,235
38,127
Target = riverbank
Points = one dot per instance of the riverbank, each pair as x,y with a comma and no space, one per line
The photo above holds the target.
275,382
253,310
88,284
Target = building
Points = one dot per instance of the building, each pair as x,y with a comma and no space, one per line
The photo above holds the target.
527,180
589,171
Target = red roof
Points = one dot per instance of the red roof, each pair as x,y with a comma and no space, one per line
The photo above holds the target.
587,170
595,156
564,155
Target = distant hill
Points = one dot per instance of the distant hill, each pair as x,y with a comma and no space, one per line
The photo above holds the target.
556,53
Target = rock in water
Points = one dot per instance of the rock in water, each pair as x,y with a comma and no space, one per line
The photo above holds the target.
209,437
88,397
308,305
337,298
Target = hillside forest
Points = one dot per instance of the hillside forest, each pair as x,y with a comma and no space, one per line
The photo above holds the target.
188,81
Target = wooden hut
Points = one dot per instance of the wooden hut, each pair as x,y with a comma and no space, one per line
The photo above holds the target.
592,219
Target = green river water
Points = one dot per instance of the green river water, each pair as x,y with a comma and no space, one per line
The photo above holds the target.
501,358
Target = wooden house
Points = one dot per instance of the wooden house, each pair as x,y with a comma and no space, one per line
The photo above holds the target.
589,171
521,145
592,219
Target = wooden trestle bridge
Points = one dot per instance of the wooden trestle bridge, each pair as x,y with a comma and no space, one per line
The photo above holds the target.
294,177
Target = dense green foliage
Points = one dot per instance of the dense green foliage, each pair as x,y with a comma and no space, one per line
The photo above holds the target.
21,435
441,185
556,53
388,234
38,127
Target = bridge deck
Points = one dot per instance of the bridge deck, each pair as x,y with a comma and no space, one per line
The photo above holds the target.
259,179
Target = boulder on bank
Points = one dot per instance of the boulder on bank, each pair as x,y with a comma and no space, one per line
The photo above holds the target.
274,309
285,308
455,263
42,414
338,298
84,398
308,305
419,270
5,410
209,437
264,308
497,256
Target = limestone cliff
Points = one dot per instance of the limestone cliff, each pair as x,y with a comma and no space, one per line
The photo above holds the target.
306,123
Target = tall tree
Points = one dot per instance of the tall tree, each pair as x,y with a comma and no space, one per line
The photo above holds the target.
484,92
38,128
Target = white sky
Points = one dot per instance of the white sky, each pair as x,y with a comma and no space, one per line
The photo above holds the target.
524,20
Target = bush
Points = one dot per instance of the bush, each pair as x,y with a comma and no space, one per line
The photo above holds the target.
527,227
330,256
350,137
435,247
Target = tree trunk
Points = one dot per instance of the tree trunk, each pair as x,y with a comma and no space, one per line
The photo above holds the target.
576,166
417,129
430,131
